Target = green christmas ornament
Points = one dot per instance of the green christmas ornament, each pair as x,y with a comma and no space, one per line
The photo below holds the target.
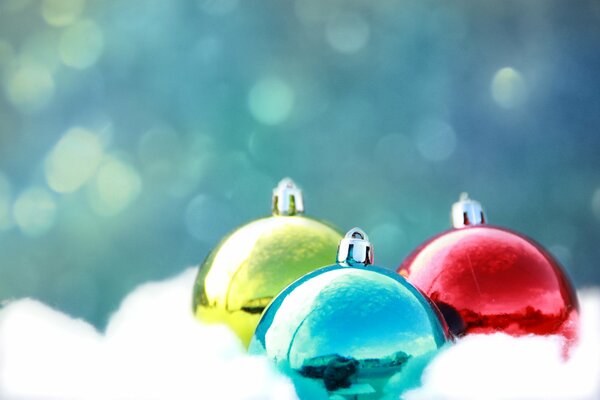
251,265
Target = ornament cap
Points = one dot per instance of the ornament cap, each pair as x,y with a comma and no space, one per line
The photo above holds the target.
355,248
467,212
287,198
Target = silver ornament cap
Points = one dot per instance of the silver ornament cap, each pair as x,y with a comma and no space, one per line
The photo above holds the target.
355,248
467,212
287,198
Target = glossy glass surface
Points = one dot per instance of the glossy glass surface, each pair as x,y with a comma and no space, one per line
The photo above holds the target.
351,329
486,279
254,263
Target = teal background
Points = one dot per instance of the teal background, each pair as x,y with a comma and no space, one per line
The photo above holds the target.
191,111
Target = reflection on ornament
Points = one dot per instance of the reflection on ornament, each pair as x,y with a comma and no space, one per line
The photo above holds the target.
352,327
486,279
251,265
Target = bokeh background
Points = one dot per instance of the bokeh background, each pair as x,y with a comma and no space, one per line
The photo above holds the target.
135,133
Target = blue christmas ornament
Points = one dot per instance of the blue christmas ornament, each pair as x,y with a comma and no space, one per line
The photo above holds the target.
355,329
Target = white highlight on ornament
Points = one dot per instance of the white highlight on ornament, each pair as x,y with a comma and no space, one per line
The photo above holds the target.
30,87
435,139
508,87
117,184
81,44
73,160
271,101
503,367
347,32
62,12
34,211
153,349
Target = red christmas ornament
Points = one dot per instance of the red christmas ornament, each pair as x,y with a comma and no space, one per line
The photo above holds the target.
487,279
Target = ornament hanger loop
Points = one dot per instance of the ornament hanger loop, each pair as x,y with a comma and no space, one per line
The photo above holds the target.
287,198
467,212
355,248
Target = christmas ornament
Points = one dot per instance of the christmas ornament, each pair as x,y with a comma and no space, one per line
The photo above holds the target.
352,326
251,265
488,279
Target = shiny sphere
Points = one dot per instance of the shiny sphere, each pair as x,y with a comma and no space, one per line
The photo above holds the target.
486,279
351,329
241,276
